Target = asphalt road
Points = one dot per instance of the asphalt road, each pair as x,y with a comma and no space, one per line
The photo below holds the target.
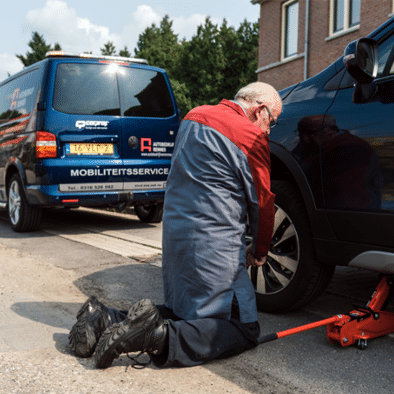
117,258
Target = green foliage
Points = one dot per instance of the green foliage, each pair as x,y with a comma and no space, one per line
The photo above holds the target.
248,35
202,65
214,64
38,50
125,52
159,46
109,49
182,96
10,114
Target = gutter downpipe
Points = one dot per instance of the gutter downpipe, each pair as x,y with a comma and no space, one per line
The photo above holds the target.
306,49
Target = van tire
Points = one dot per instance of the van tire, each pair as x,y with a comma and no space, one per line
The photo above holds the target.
152,213
23,217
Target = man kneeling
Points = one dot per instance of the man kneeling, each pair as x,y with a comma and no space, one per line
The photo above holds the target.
219,176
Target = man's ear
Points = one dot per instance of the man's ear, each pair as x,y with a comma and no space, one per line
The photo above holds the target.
259,114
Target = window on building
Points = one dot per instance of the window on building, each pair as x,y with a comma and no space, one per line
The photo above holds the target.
345,14
289,29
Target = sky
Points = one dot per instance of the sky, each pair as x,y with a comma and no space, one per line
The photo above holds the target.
86,25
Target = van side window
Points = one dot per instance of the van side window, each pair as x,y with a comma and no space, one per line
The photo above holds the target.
86,89
19,96
144,93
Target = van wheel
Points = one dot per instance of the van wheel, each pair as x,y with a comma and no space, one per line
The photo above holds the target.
292,276
23,217
149,213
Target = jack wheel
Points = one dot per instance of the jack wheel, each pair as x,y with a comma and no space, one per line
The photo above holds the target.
362,344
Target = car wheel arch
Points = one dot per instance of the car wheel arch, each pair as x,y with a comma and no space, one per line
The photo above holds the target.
285,167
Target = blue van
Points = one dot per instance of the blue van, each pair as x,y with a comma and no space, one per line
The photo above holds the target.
85,130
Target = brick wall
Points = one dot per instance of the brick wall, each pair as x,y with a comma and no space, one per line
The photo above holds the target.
285,75
322,51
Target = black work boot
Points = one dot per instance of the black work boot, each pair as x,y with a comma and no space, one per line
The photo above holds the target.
92,319
142,331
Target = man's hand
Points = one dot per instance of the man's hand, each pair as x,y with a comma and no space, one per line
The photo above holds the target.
251,261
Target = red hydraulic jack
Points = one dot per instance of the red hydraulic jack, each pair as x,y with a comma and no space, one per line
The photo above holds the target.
360,325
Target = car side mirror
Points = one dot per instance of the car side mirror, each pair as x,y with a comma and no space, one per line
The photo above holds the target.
361,62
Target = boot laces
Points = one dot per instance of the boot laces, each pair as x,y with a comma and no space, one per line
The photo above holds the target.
138,364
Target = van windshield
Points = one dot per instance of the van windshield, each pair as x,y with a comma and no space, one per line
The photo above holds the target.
92,89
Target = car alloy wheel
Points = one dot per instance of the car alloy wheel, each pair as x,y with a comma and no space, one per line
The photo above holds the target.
283,256
292,276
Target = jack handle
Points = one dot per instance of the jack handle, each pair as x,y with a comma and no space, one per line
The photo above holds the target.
296,330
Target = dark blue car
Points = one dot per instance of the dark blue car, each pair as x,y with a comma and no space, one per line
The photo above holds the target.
333,175
81,130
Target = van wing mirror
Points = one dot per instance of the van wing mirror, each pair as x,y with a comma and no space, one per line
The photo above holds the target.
361,62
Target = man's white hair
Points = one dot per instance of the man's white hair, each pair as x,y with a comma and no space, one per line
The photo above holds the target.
256,91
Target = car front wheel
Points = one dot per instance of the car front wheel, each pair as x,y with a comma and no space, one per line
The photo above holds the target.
292,276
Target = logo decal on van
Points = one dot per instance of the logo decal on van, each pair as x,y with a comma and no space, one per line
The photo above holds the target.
91,124
157,149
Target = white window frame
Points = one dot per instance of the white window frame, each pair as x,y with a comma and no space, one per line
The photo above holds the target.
283,43
346,27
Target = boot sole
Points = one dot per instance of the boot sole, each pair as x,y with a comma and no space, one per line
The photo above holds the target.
80,339
115,338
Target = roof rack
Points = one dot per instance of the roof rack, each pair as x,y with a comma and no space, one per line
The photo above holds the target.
90,56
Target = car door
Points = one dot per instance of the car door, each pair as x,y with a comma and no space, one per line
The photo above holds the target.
357,159
149,125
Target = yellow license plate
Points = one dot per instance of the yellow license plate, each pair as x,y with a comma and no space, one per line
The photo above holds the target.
91,149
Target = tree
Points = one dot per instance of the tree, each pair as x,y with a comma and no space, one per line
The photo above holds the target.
182,96
202,65
109,49
248,35
213,65
38,50
125,52
159,46
230,44
240,49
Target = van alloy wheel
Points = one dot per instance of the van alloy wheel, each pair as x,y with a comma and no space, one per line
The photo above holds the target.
22,216
14,202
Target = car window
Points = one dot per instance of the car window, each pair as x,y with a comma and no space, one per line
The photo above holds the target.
88,89
18,96
386,57
92,89
144,93
341,80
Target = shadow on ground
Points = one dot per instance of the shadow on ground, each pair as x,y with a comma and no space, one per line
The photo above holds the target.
259,370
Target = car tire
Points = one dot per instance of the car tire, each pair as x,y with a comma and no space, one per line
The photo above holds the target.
152,213
22,216
292,276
